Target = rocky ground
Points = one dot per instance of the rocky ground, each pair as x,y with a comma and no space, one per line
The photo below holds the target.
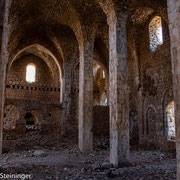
57,157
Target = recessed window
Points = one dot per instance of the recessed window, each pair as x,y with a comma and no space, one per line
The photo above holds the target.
104,75
155,33
171,120
31,73
103,100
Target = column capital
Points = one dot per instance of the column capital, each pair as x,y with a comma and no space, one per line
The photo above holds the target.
88,32
115,16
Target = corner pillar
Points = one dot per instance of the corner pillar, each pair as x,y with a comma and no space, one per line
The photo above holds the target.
4,6
174,29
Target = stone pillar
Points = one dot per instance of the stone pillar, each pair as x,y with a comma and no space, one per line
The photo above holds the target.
141,115
119,92
3,61
2,8
174,29
66,99
86,97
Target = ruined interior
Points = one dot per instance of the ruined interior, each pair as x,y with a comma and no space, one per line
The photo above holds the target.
90,89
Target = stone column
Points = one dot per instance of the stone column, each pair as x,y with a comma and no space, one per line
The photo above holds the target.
119,92
3,61
141,124
66,99
174,29
2,4
86,97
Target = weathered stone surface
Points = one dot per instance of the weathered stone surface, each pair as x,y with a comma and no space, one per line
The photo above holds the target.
39,153
57,36
119,93
86,98
174,27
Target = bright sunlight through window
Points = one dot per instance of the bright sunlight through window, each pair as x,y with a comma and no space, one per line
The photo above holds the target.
30,73
155,33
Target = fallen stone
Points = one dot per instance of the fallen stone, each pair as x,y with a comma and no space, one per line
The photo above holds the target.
110,174
106,165
39,153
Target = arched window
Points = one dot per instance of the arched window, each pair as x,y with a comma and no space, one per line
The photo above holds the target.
155,33
31,73
171,120
104,74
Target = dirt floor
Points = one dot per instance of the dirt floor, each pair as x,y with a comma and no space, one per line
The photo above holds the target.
57,157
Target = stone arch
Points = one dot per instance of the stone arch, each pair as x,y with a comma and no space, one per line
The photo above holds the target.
143,9
11,115
70,17
153,107
168,92
44,51
106,5
150,101
45,55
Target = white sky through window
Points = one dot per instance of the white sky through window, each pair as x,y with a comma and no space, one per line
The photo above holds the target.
30,73
156,33
103,74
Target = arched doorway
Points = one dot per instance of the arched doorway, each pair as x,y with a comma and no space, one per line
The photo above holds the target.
30,121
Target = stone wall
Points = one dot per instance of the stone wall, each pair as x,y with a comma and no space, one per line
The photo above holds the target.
133,123
44,89
40,98
155,78
99,87
101,120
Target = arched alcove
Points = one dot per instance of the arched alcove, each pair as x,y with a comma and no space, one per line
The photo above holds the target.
151,122
30,121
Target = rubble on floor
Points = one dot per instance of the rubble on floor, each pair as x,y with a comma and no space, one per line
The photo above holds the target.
54,157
